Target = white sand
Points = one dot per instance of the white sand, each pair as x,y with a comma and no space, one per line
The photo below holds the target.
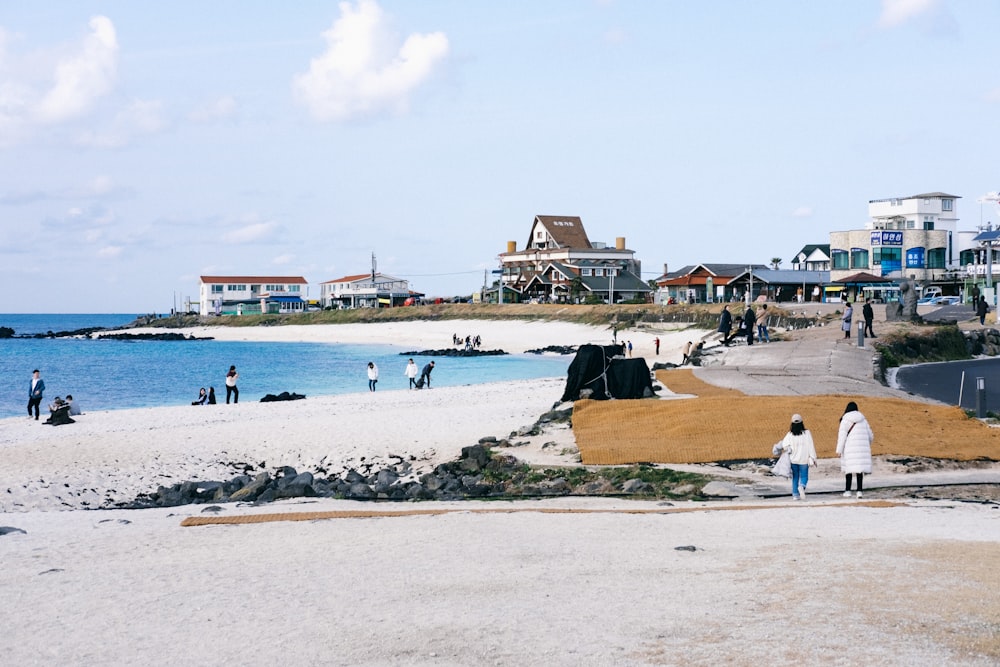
822,582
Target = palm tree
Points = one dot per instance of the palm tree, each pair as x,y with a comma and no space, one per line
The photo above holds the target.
775,263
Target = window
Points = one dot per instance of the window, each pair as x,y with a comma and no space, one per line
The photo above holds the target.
236,288
911,224
216,289
947,204
586,272
598,272
890,259
841,259
936,258
928,222
859,258
967,257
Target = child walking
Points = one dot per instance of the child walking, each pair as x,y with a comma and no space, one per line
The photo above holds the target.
798,442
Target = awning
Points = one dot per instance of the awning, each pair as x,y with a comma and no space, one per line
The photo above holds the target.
285,299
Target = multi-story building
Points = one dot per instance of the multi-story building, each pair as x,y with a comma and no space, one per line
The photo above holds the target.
251,295
906,237
366,290
560,263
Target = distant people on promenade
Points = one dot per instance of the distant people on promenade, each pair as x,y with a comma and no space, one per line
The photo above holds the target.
372,375
656,344
750,322
981,309
869,316
411,373
846,319
35,392
231,389
202,397
762,333
798,442
470,342
854,446
725,324
211,395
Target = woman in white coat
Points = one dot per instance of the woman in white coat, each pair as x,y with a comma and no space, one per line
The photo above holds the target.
854,446
798,442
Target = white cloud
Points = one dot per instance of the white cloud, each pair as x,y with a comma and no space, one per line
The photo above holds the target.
802,212
363,71
141,117
282,260
896,12
256,231
84,77
110,251
215,110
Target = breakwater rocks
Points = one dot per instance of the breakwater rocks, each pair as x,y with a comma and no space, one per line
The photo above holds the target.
982,342
453,352
477,473
153,336
553,349
283,396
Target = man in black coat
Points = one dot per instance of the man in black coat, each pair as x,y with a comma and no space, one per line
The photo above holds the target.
869,316
750,320
425,375
725,324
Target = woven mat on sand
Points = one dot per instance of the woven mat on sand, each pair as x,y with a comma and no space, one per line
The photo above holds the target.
724,425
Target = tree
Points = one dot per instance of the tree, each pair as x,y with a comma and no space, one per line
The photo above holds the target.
775,263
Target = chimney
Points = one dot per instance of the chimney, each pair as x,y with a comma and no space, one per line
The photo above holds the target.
665,270
511,246
620,243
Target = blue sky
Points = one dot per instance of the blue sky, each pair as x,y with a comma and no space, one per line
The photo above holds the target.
145,144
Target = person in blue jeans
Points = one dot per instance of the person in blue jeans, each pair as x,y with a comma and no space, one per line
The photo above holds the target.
798,442
762,334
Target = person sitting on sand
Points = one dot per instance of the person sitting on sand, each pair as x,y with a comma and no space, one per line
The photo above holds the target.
202,397
74,407
60,413
211,395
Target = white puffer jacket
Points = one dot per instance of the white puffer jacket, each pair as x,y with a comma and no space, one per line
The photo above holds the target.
854,443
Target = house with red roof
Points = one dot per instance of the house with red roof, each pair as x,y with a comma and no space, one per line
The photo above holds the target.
251,295
366,290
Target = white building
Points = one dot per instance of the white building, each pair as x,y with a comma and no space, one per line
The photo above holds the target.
366,290
905,237
251,295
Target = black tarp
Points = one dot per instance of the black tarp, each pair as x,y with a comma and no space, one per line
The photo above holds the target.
603,371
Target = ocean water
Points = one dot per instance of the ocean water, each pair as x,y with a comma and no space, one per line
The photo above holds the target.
110,374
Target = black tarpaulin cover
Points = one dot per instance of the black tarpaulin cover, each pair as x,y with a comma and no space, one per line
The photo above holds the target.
596,369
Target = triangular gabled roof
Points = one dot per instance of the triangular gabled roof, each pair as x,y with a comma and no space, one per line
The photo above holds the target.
566,231
808,250
360,277
712,269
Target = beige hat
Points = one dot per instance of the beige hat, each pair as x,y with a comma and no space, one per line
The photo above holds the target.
797,418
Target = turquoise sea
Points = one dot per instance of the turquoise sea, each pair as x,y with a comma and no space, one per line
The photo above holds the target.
109,374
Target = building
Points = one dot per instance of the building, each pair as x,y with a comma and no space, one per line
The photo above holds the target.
702,283
251,295
366,290
559,263
912,237
812,258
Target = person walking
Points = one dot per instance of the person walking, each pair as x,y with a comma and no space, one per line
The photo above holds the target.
656,343
762,333
749,320
981,309
372,375
411,372
869,316
231,388
798,442
725,324
846,320
35,392
628,346
854,446
425,375
687,353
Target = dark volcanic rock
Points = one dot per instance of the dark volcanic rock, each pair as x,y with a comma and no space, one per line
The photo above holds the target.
453,352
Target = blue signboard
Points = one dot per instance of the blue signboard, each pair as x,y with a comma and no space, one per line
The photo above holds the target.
887,238
915,258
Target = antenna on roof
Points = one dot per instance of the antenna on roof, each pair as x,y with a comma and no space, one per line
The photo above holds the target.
374,266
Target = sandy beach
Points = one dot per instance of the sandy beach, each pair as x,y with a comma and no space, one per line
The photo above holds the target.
599,583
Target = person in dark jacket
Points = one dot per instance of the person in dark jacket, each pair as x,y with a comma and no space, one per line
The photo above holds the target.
425,375
981,309
725,324
869,315
35,393
750,320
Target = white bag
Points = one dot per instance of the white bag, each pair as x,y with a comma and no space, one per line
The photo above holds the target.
783,466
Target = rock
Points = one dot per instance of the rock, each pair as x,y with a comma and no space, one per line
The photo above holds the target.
477,453
684,490
253,489
10,530
637,486
360,491
727,490
686,547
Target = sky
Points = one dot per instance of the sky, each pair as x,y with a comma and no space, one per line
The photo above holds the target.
143,145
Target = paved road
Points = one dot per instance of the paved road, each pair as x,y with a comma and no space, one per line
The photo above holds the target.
944,381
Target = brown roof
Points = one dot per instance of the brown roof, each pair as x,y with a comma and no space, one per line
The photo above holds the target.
566,230
286,280
348,279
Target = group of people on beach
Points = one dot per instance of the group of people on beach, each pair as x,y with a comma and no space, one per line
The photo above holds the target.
59,409
854,447
470,342
410,372
232,391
